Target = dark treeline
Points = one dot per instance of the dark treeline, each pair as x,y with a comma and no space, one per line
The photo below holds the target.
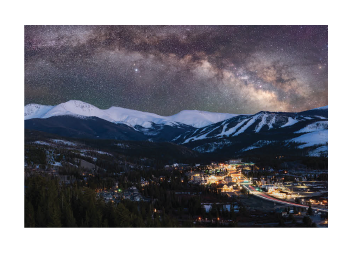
277,162
49,204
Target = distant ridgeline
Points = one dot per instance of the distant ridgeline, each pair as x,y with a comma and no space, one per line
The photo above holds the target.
303,133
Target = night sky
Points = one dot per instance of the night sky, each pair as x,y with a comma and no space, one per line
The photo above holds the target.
166,69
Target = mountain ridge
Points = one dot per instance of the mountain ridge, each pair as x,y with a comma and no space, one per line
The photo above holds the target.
236,134
130,117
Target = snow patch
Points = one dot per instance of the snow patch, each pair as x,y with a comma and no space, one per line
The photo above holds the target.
68,143
233,129
42,143
320,151
311,139
196,138
122,145
260,125
207,207
320,117
36,111
321,108
273,120
317,126
103,153
224,128
257,144
290,122
250,122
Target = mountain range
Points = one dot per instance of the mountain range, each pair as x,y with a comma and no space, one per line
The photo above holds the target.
205,132
126,116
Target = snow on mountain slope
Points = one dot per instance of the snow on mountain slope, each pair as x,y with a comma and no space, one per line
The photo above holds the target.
133,117
320,117
311,139
249,123
68,143
126,116
199,118
233,129
317,126
212,146
75,108
321,108
320,151
273,120
36,111
315,134
261,124
290,122
257,144
197,138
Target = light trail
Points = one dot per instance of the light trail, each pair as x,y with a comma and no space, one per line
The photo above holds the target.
252,190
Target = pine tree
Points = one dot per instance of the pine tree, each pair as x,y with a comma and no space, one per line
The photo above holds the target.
40,218
68,219
123,216
29,214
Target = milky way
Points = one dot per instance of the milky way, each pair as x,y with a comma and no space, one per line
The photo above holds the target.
166,69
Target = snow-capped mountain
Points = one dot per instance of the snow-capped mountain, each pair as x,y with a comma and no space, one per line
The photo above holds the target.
124,116
199,118
205,132
249,132
33,111
262,121
321,108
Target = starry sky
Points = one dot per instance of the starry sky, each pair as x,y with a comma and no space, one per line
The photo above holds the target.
166,69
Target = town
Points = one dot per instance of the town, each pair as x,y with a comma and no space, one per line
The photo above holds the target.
234,192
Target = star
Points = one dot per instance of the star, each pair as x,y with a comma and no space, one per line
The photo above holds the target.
231,69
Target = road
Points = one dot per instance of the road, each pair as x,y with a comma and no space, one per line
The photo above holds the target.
262,195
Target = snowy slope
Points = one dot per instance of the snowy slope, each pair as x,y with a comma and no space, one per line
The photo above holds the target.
133,117
249,123
36,111
311,139
126,116
199,118
257,123
317,126
212,146
74,108
321,108
315,134
261,124
257,144
290,122
320,151
233,129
